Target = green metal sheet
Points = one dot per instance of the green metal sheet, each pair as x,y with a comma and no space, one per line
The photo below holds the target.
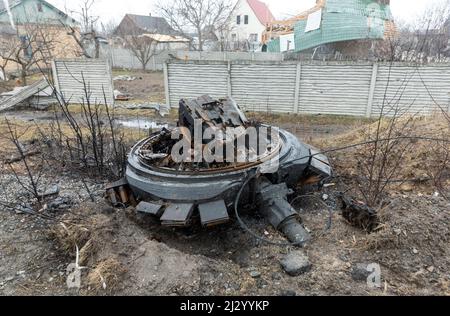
344,20
274,46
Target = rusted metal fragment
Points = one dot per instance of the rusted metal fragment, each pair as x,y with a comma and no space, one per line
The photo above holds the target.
359,214
154,175
112,196
177,214
150,208
213,213
119,193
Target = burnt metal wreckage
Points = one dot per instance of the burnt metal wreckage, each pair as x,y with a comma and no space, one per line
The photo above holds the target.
181,193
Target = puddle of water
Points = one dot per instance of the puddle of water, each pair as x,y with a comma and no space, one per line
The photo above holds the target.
45,117
141,124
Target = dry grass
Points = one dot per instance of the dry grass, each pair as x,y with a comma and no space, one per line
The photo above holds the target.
86,233
32,130
70,237
432,126
106,276
129,113
281,119
420,164
382,239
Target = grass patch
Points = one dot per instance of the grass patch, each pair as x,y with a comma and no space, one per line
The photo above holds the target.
275,118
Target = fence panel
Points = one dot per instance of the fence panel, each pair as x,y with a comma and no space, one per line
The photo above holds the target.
408,88
194,80
73,75
334,89
338,88
264,87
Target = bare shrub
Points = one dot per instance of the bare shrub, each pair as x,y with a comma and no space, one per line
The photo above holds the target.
27,173
88,139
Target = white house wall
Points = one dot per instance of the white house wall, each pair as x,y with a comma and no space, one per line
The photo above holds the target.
243,31
287,42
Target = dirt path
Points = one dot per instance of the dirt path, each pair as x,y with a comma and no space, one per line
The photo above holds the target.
412,252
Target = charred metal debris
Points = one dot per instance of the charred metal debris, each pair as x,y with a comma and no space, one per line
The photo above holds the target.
359,214
183,193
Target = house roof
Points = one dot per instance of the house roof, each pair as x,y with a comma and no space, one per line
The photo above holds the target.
162,38
14,3
151,24
346,20
262,11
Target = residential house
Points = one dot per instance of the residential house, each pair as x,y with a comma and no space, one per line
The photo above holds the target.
133,24
37,16
169,42
155,28
34,11
352,28
247,23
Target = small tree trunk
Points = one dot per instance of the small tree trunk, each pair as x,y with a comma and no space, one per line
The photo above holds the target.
23,75
3,71
97,47
200,40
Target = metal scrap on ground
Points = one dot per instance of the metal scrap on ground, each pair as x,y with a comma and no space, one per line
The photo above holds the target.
39,94
207,193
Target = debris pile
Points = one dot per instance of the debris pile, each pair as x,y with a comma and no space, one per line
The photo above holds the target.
39,95
218,115
119,96
198,190
125,78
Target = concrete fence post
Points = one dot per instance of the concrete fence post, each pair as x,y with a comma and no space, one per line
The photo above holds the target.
154,63
229,83
448,101
298,79
113,58
166,84
373,83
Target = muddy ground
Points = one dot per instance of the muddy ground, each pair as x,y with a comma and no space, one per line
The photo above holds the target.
145,86
127,254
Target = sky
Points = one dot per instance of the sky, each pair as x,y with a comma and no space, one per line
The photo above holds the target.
114,10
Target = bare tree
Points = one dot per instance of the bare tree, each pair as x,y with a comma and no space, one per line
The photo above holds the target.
424,39
109,28
7,48
196,15
31,47
88,33
143,47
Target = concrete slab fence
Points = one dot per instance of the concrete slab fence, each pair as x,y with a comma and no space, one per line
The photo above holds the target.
335,88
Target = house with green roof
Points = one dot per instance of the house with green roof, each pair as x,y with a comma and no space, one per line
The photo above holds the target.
346,25
34,11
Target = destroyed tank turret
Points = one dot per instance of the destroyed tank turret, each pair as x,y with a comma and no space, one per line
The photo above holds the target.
217,161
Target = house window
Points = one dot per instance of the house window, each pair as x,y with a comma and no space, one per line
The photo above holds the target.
253,38
39,7
289,44
238,20
245,19
233,37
